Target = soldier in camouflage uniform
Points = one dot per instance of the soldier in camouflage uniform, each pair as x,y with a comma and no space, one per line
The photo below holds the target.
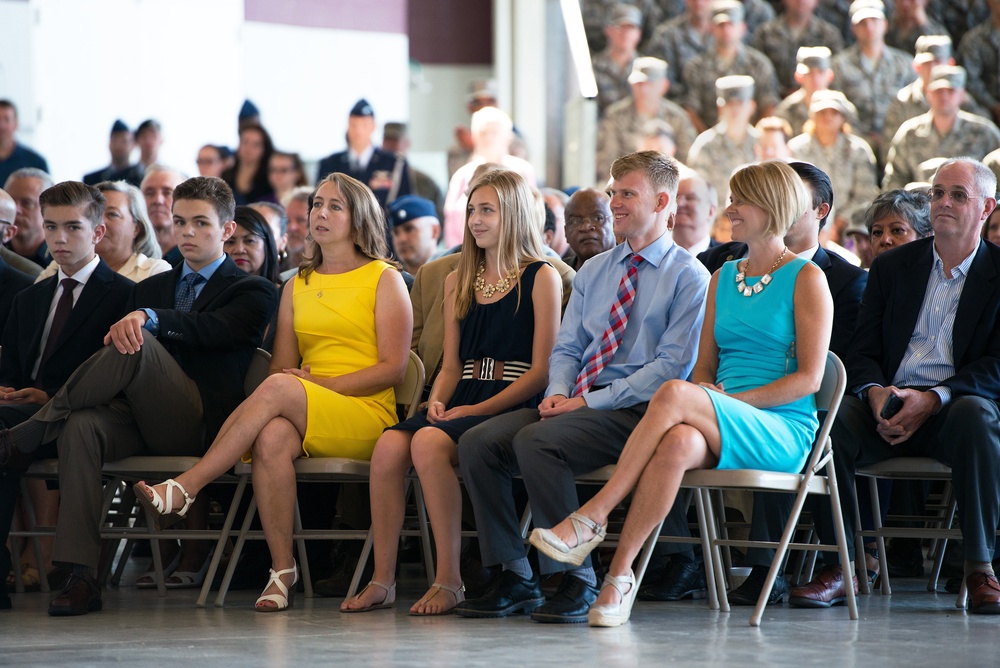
756,13
945,130
979,52
723,148
597,15
909,22
812,73
846,158
613,65
621,127
932,50
728,57
781,38
681,39
871,73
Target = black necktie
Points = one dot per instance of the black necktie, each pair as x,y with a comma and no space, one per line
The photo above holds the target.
63,308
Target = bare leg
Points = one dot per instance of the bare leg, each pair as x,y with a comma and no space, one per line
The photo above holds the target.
390,462
279,396
278,446
682,449
435,458
676,402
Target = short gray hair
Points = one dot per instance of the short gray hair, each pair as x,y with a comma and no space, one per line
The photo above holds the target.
298,194
157,167
986,180
30,173
913,207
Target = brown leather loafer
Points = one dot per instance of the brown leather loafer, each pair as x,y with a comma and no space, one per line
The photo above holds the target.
824,590
984,593
80,595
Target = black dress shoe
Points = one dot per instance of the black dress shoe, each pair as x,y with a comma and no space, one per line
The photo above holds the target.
749,592
679,580
80,595
508,594
570,603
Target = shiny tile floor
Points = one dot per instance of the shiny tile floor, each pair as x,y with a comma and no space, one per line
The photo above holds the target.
913,626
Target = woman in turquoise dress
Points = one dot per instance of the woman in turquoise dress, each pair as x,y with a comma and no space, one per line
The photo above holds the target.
750,402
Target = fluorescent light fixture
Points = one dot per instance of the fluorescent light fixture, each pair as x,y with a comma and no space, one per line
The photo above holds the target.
578,47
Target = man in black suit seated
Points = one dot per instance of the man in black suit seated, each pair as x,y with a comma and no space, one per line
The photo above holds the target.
928,332
120,146
56,325
847,282
172,374
12,281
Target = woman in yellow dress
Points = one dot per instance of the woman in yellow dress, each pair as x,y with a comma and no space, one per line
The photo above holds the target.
343,339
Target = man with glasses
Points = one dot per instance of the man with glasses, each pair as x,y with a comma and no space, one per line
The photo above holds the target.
944,130
928,332
589,229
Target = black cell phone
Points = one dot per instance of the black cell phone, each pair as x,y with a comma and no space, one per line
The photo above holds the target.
892,405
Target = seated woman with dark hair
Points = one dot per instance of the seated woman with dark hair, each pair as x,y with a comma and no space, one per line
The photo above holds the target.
252,245
248,176
343,343
897,217
750,404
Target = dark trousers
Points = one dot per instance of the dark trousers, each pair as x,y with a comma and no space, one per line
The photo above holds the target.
10,482
114,406
548,454
965,435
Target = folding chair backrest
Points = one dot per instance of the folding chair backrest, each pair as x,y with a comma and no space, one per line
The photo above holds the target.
828,398
408,392
259,365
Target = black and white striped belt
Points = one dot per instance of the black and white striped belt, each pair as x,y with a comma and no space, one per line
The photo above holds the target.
488,368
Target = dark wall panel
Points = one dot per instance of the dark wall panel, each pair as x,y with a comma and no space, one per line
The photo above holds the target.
451,32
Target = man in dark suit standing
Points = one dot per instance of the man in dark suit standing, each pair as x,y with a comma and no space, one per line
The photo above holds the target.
57,324
847,283
172,374
928,332
386,173
120,145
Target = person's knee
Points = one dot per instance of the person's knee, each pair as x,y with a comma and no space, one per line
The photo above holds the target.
391,454
276,442
478,449
979,419
669,395
679,447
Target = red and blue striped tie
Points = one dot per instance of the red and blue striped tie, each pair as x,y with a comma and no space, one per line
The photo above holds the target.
612,338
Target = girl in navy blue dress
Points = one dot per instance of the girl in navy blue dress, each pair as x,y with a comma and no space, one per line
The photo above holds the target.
501,311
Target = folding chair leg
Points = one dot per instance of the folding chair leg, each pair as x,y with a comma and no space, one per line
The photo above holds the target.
711,585
883,563
220,545
779,557
647,552
838,526
234,558
303,562
705,499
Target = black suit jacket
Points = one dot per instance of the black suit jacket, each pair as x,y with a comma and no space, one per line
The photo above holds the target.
890,307
101,303
847,283
377,175
215,340
12,282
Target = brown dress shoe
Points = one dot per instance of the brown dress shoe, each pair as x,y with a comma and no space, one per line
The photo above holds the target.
824,590
984,593
80,595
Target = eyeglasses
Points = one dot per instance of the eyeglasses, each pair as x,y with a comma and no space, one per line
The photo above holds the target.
959,197
577,221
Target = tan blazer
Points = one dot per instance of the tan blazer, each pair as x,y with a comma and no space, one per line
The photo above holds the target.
427,297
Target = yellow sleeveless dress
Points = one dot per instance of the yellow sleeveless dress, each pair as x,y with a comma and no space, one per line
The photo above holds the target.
334,320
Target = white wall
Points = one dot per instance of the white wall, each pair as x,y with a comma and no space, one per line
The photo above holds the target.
74,67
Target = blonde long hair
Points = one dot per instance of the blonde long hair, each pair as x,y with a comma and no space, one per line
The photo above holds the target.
367,224
520,235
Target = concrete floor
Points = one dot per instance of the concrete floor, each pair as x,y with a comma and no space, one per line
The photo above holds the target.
912,627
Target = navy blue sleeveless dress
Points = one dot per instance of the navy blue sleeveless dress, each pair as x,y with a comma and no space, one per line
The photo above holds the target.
502,331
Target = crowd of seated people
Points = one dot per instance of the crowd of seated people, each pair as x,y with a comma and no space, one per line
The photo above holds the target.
639,247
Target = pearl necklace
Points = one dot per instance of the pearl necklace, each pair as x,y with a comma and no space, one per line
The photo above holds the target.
741,284
488,289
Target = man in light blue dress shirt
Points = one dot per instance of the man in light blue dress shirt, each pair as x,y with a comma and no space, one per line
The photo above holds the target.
570,435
